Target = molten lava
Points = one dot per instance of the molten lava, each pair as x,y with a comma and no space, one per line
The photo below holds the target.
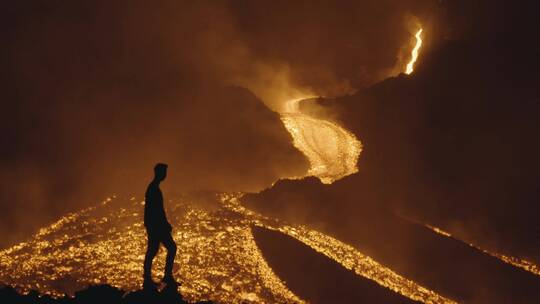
414,54
331,150
217,257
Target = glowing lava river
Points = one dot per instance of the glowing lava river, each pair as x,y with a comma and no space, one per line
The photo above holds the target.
332,151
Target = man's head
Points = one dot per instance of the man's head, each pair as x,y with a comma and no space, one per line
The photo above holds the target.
160,171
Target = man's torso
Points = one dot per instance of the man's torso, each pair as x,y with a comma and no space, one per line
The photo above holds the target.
154,213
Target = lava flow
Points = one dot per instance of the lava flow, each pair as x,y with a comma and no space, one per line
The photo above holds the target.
217,257
331,150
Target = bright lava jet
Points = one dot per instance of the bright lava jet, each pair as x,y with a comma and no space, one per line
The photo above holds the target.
414,54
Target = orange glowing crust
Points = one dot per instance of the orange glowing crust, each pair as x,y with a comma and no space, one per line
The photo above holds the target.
345,255
217,256
414,54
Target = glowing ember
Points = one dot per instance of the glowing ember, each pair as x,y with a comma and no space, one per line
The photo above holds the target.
414,55
331,150
517,262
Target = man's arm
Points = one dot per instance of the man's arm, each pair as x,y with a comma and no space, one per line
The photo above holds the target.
163,216
165,220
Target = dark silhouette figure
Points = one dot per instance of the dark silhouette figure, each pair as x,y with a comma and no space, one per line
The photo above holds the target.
158,229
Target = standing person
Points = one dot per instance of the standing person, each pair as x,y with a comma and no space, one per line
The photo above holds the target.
158,229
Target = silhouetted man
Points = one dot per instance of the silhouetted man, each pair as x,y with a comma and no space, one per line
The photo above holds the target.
157,228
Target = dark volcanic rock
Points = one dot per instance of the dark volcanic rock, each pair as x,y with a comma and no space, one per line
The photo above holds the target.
316,278
97,294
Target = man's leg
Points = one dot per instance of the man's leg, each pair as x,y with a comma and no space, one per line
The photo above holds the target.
169,243
151,251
